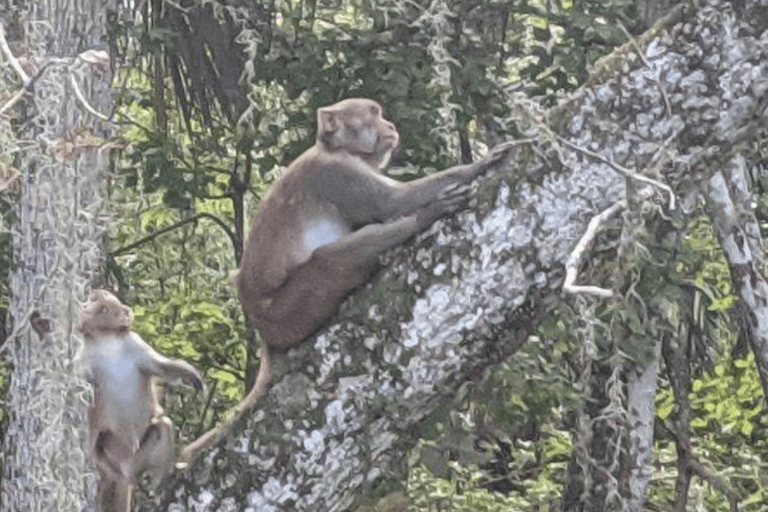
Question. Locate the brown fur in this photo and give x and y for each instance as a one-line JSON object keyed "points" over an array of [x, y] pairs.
{"points": [[129, 432], [319, 231]]}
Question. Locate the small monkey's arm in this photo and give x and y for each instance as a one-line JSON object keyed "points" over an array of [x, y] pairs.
{"points": [[164, 368]]}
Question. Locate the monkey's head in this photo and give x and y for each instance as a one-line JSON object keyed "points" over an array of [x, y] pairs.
{"points": [[104, 313], [357, 126]]}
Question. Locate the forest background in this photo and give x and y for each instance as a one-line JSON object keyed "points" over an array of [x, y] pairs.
{"points": [[212, 100]]}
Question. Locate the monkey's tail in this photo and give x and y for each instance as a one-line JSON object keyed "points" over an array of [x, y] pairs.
{"points": [[211, 437]]}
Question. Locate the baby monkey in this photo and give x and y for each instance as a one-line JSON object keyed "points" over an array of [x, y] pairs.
{"points": [[320, 229], [129, 431]]}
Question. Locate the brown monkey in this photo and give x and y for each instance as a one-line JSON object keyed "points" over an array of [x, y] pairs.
{"points": [[129, 432], [319, 231]]}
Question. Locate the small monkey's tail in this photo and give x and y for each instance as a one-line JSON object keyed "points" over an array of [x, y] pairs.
{"points": [[219, 431]]}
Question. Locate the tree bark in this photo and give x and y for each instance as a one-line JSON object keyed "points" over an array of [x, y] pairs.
{"points": [[730, 198], [641, 415], [57, 251]]}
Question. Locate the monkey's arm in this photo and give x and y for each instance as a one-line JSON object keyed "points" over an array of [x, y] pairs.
{"points": [[169, 370], [361, 194], [365, 196], [410, 197]]}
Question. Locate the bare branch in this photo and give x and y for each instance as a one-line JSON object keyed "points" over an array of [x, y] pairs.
{"points": [[15, 98], [9, 55], [621, 169], [168, 229], [639, 51], [577, 256], [84, 102]]}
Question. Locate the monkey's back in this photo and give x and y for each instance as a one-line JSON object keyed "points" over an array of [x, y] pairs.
{"points": [[291, 222]]}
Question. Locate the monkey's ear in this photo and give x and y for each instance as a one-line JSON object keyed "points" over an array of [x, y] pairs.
{"points": [[327, 123]]}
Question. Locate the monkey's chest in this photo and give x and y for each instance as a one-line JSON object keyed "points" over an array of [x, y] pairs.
{"points": [[123, 385], [321, 231]]}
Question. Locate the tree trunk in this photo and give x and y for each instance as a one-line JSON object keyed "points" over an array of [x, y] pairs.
{"points": [[730, 198], [336, 424], [57, 251], [641, 414]]}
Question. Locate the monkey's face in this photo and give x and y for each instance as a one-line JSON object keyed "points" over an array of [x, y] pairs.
{"points": [[105, 313], [358, 127]]}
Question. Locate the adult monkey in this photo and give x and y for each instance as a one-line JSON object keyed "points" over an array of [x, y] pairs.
{"points": [[128, 429], [319, 231]]}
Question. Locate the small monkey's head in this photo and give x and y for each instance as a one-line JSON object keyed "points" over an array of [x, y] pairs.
{"points": [[357, 126], [104, 314]]}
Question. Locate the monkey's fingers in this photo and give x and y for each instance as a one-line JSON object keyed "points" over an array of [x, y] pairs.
{"points": [[498, 153], [451, 200], [454, 191], [193, 378], [195, 382]]}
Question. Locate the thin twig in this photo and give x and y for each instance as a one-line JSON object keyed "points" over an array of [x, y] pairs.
{"points": [[17, 67], [156, 234], [621, 169], [15, 98], [577, 256], [83, 101], [9, 55], [27, 87], [639, 51]]}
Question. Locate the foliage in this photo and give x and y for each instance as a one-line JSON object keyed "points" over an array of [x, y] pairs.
{"points": [[460, 493], [730, 424], [179, 287], [537, 474]]}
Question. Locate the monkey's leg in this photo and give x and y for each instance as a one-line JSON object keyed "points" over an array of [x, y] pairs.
{"points": [[155, 453], [114, 495], [112, 455], [314, 290]]}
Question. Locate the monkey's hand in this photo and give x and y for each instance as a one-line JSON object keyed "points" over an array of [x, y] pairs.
{"points": [[195, 380], [190, 376], [450, 200], [42, 326], [496, 155]]}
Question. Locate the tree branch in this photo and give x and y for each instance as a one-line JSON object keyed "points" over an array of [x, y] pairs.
{"points": [[160, 232]]}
